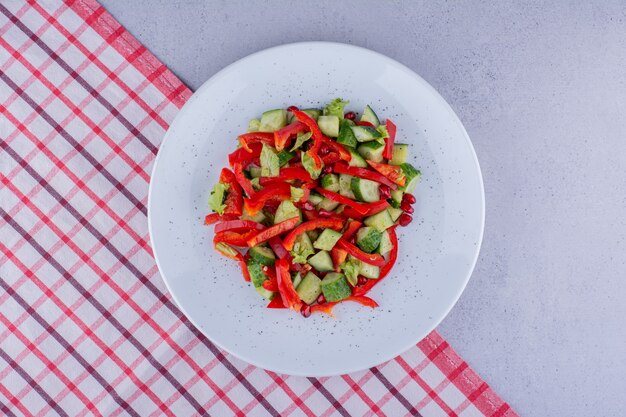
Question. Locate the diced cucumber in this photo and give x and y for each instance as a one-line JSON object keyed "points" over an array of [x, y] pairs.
{"points": [[381, 221], [364, 190], [330, 182], [365, 133], [327, 239], [385, 244], [369, 116], [345, 186], [327, 204], [315, 198], [265, 293], [396, 198], [335, 287], [253, 125], [257, 276], [273, 120], [286, 210], [395, 213], [296, 279], [255, 184], [357, 160], [310, 288], [284, 157], [329, 125], [399, 153], [368, 239], [346, 136], [369, 271], [313, 113], [412, 177], [255, 171], [302, 249], [322, 261], [372, 151], [262, 255]]}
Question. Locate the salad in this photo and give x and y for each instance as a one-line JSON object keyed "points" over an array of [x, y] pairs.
{"points": [[310, 205]]}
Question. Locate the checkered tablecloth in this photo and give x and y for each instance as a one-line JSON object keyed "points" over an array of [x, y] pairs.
{"points": [[87, 326]]}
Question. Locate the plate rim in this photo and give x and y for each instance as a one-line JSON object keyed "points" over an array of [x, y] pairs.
{"points": [[323, 44]]}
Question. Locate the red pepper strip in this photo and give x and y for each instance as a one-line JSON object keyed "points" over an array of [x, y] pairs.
{"points": [[277, 246], [270, 284], [272, 231], [393, 172], [256, 137], [337, 147], [370, 209], [384, 271], [287, 174], [338, 256], [243, 181], [327, 308], [281, 191], [244, 157], [364, 123], [285, 286], [331, 158], [391, 129], [282, 136], [215, 217], [234, 238], [276, 302], [368, 258], [239, 258], [310, 214], [351, 229], [290, 239], [234, 196], [316, 136], [238, 224], [244, 269], [364, 173], [360, 208]]}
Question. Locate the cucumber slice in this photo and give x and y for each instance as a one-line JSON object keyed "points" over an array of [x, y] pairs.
{"points": [[327, 204], [395, 213], [303, 241], [265, 293], [345, 186], [365, 190], [365, 133], [273, 120], [396, 198], [284, 157], [380, 221], [315, 198], [399, 153], [357, 160], [296, 279], [322, 261], [346, 136], [257, 276], [335, 287], [255, 171], [372, 151], [310, 288], [327, 239], [286, 210], [369, 271], [329, 125], [412, 177], [385, 244], [370, 116], [262, 255], [330, 182], [368, 239]]}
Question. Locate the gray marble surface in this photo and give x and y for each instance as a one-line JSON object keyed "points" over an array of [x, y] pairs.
{"points": [[541, 89]]}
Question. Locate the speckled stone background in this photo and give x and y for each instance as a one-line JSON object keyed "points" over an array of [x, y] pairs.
{"points": [[541, 89]]}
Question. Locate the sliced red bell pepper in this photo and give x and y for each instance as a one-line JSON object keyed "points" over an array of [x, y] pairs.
{"points": [[338, 256], [393, 172], [215, 217], [316, 136], [368, 258], [384, 271], [369, 208], [243, 157], [331, 158], [277, 192], [360, 208], [364, 123], [277, 246], [232, 253], [276, 302], [364, 173], [243, 181], [391, 130], [285, 286], [327, 308], [287, 174], [337, 147], [234, 196], [237, 225], [310, 214], [234, 238], [270, 284], [272, 231], [248, 139], [282, 136], [330, 223], [351, 229]]}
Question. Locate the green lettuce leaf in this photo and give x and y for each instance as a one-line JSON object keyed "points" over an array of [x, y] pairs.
{"points": [[216, 198], [351, 269], [309, 164], [296, 194], [270, 163], [300, 139], [335, 108]]}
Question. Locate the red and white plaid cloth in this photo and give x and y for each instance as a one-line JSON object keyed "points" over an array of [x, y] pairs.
{"points": [[87, 326]]}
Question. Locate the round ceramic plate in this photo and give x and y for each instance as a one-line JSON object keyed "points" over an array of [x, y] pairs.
{"points": [[437, 252]]}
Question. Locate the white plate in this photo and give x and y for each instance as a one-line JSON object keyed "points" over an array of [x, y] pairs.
{"points": [[437, 251]]}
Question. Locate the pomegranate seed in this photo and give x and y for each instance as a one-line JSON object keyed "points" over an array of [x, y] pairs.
{"points": [[321, 299], [407, 208], [350, 115], [384, 192], [328, 169], [326, 213], [409, 198], [405, 219], [324, 151], [361, 281], [305, 310], [292, 108]]}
